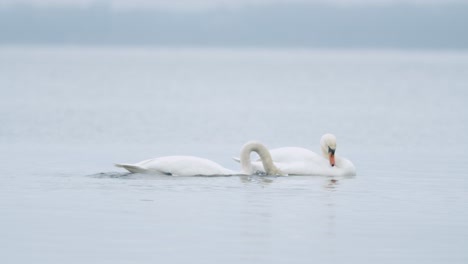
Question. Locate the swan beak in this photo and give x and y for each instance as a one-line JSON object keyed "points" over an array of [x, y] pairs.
{"points": [[331, 156]]}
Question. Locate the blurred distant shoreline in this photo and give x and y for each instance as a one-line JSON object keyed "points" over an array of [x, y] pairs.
{"points": [[400, 26]]}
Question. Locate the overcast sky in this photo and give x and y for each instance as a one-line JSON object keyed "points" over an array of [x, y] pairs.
{"points": [[412, 24], [207, 4]]}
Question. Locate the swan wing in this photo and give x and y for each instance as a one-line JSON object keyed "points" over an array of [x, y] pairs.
{"points": [[188, 165], [345, 166], [131, 168]]}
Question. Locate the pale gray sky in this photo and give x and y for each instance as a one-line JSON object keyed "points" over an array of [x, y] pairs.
{"points": [[411, 24], [207, 4]]}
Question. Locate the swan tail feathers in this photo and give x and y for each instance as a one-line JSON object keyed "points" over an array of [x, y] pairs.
{"points": [[131, 167]]}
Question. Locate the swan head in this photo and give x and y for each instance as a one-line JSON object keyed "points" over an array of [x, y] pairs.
{"points": [[328, 147]]}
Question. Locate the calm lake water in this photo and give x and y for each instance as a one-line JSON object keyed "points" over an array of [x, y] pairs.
{"points": [[67, 114]]}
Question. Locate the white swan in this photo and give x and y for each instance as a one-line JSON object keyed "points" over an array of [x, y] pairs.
{"points": [[301, 161], [191, 166]]}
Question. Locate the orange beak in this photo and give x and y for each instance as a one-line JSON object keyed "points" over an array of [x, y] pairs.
{"points": [[331, 157]]}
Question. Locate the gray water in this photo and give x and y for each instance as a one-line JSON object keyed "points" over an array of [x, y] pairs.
{"points": [[67, 114]]}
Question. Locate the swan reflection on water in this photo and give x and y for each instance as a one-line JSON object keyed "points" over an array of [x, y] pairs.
{"points": [[330, 184], [256, 178]]}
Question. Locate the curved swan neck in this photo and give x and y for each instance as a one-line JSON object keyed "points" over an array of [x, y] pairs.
{"points": [[324, 150], [262, 151]]}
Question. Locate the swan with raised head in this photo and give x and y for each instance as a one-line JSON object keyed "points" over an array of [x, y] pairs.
{"points": [[192, 166], [301, 161]]}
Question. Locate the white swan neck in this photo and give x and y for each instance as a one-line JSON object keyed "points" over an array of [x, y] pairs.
{"points": [[262, 151], [324, 149]]}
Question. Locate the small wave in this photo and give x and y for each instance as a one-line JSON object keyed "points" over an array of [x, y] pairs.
{"points": [[117, 175]]}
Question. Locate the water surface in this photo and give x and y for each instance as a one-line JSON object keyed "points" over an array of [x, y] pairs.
{"points": [[67, 114]]}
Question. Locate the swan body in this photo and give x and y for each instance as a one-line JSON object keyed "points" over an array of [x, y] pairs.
{"points": [[177, 166], [301, 161], [193, 166]]}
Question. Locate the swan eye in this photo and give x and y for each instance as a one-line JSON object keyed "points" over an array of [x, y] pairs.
{"points": [[330, 150]]}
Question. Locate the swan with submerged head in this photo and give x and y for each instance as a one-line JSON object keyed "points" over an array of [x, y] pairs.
{"points": [[196, 166], [301, 161]]}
